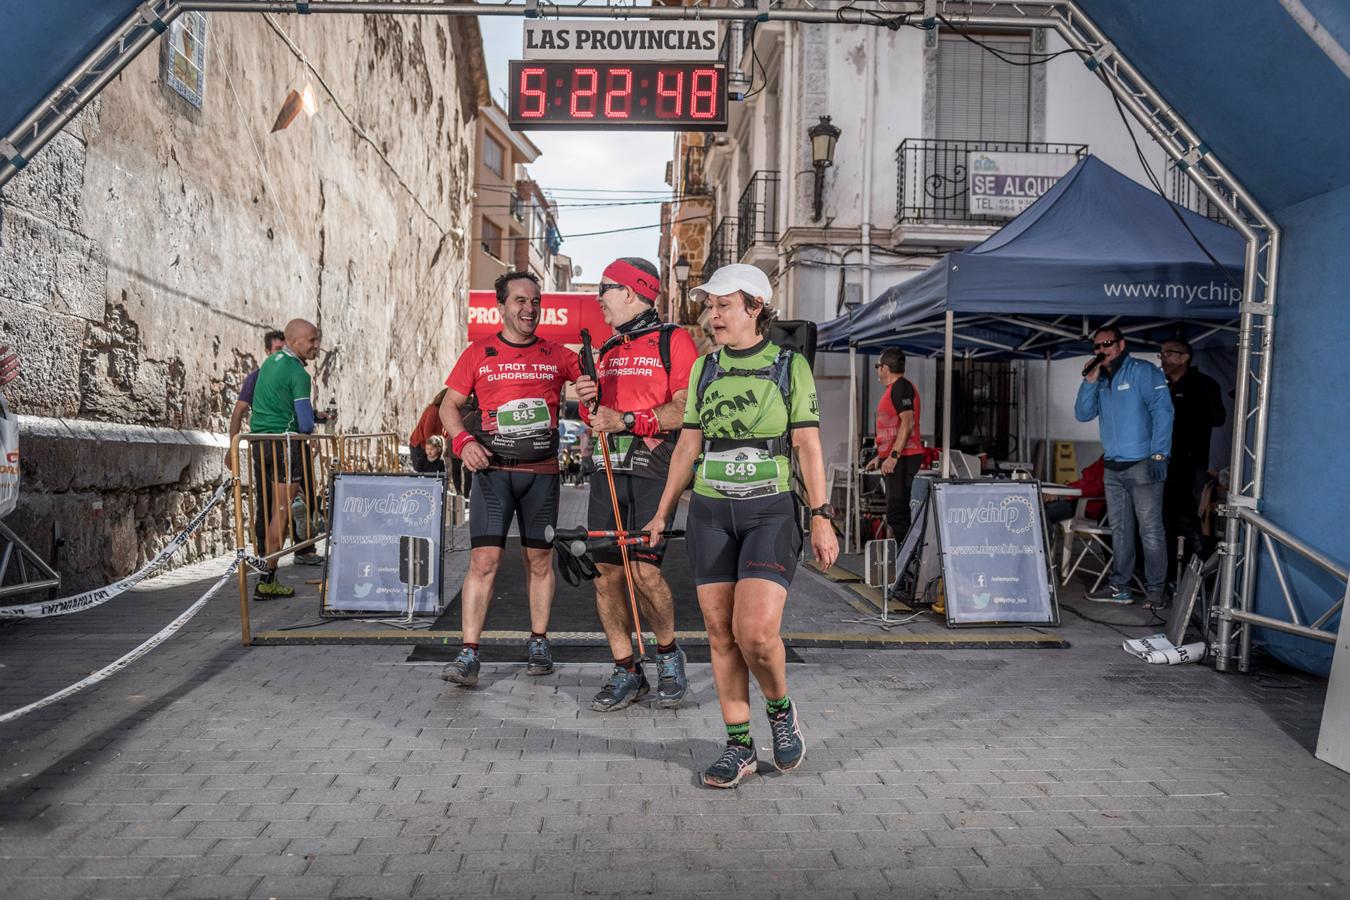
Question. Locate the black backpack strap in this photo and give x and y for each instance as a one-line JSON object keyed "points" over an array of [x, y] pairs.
{"points": [[712, 370], [667, 333]]}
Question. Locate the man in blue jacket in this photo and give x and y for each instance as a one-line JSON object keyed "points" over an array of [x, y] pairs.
{"points": [[1131, 399]]}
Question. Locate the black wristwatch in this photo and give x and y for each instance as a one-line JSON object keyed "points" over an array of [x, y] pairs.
{"points": [[629, 420], [895, 454], [824, 511]]}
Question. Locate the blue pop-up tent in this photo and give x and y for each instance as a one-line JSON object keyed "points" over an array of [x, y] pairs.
{"points": [[1097, 248], [1098, 245]]}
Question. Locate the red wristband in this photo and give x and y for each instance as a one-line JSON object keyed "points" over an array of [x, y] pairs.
{"points": [[644, 423], [457, 445]]}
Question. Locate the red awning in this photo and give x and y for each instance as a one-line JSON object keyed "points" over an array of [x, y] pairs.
{"points": [[563, 317]]}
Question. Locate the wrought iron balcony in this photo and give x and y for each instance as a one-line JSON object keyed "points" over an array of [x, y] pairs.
{"points": [[722, 247], [1184, 192], [934, 181], [757, 212]]}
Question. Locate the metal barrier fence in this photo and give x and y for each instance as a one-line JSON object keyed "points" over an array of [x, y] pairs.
{"points": [[376, 452], [279, 494]]}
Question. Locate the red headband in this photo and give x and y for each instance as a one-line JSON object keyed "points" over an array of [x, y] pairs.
{"points": [[630, 276]]}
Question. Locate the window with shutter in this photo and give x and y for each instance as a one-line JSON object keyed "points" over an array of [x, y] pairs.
{"points": [[979, 96]]}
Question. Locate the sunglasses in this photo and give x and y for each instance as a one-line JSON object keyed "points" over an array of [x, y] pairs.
{"points": [[1102, 345], [606, 288]]}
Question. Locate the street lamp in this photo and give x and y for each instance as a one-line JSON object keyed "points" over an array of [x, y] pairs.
{"points": [[823, 137], [682, 278]]}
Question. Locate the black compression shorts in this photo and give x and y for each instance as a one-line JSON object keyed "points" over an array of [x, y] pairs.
{"points": [[751, 538], [638, 501], [498, 495]]}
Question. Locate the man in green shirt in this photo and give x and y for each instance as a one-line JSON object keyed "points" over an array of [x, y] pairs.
{"points": [[282, 405]]}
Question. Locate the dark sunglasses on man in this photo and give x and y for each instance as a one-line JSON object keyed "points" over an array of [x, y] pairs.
{"points": [[1102, 345]]}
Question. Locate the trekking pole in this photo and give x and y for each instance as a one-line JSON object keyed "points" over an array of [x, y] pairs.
{"points": [[588, 367]]}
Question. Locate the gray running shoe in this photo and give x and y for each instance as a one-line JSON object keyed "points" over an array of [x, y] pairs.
{"points": [[789, 747], [540, 656], [1112, 594], [622, 689], [309, 559], [464, 670], [736, 762], [672, 683]]}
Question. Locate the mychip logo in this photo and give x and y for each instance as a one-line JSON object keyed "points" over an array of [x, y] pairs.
{"points": [[1014, 513]]}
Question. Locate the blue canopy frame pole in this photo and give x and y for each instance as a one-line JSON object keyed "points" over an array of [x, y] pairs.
{"points": [[850, 495]]}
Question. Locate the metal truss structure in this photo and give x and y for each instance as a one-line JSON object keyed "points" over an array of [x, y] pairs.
{"points": [[1246, 532]]}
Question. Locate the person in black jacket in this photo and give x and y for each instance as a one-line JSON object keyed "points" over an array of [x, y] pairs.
{"points": [[1199, 409]]}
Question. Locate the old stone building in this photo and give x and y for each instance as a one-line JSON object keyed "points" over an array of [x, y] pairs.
{"points": [[145, 251]]}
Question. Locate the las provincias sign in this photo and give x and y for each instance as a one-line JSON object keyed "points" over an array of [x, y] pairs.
{"points": [[693, 41]]}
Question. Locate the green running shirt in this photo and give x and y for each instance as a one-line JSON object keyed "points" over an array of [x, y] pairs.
{"points": [[749, 407], [282, 380]]}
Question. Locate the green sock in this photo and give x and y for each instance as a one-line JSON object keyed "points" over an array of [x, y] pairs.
{"points": [[740, 734], [776, 706]]}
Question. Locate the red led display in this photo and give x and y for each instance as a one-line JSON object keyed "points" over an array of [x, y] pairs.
{"points": [[679, 96]]}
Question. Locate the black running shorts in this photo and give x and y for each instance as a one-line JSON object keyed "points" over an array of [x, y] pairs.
{"points": [[281, 462], [498, 495], [638, 502], [752, 538]]}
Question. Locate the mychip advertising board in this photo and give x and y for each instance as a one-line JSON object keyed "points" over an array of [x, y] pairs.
{"points": [[371, 514], [991, 539]]}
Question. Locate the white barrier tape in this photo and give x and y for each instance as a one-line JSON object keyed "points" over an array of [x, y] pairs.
{"points": [[1158, 650], [167, 632], [99, 596]]}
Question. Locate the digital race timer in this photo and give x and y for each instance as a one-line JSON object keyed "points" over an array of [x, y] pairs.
{"points": [[680, 96]]}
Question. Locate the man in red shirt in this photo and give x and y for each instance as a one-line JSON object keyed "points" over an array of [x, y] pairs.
{"points": [[511, 440], [899, 447], [643, 382]]}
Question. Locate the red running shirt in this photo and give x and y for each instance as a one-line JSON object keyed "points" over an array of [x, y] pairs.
{"points": [[632, 378], [527, 379], [899, 398]]}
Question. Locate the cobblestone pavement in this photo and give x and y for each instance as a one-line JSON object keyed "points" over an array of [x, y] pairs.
{"points": [[208, 769]]}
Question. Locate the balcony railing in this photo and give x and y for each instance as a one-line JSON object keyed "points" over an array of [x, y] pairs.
{"points": [[757, 212], [722, 247], [934, 181], [1184, 192]]}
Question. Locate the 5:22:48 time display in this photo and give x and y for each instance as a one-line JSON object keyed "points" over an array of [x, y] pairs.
{"points": [[678, 96]]}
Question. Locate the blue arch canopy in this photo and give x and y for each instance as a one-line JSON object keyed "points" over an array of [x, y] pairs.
{"points": [[1098, 244]]}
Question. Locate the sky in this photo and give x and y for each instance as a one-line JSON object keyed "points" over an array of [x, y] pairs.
{"points": [[579, 166]]}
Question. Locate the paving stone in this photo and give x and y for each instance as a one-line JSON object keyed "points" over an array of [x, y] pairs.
{"points": [[336, 771]]}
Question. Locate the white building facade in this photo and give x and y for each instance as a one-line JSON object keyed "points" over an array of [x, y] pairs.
{"points": [[911, 106]]}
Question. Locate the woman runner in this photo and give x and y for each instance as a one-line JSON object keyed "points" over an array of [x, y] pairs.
{"points": [[750, 404]]}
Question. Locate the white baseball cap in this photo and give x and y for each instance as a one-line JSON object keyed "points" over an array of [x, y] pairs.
{"points": [[736, 277]]}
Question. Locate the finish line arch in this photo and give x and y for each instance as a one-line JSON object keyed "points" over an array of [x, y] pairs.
{"points": [[1244, 527]]}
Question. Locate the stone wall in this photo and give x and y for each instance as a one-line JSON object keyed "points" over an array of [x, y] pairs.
{"points": [[146, 250]]}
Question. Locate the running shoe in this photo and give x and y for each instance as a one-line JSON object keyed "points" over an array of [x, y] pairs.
{"points": [[464, 670], [272, 590], [309, 559], [540, 656], [1158, 601], [622, 689], [672, 683], [736, 762], [789, 747], [1112, 594]]}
